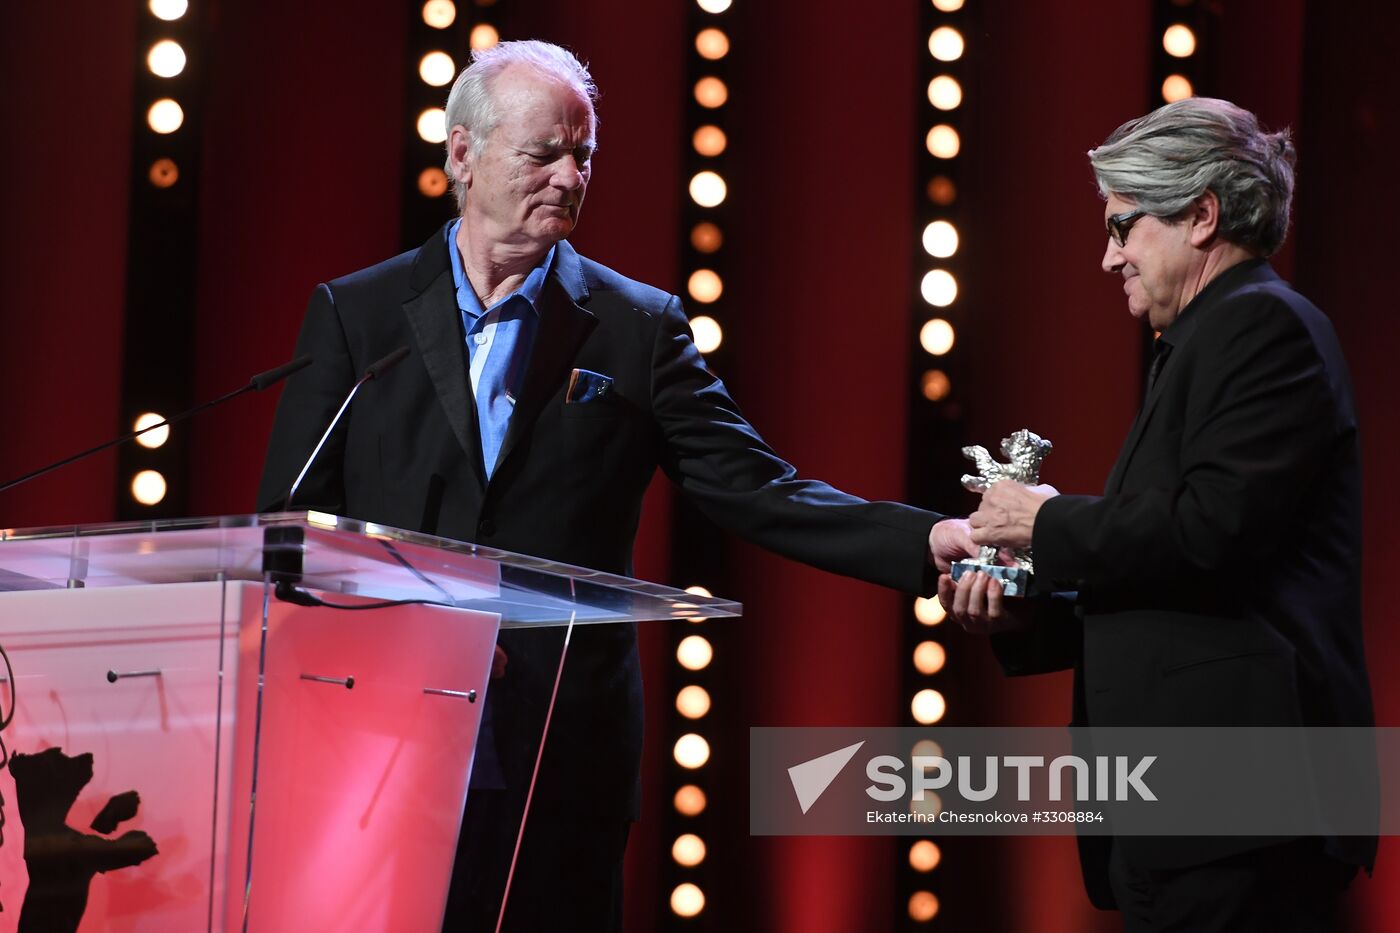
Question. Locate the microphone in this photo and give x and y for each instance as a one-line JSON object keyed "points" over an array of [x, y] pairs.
{"points": [[255, 384], [375, 370]]}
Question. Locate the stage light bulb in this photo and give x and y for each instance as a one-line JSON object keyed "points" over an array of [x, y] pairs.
{"points": [[687, 900], [714, 6], [929, 611], [698, 591], [943, 142], [483, 36], [926, 748], [148, 487], [708, 189], [944, 92], [439, 14], [928, 706], [694, 652], [689, 800], [708, 334], [923, 906], [712, 43], [1179, 41], [432, 182], [939, 288], [169, 10], [937, 336], [705, 285], [929, 657], [942, 191], [437, 69], [947, 6], [165, 116], [711, 92], [945, 44], [688, 850], [164, 173], [935, 385], [940, 239], [151, 439], [432, 125], [691, 751], [693, 702], [706, 237], [166, 59], [924, 855], [1176, 87], [709, 141]]}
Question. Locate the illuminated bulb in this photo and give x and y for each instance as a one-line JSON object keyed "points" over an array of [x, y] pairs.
{"points": [[148, 487], [151, 439], [713, 6], [942, 191], [923, 906], [698, 591], [169, 10], [944, 92], [689, 800], [432, 125], [940, 239], [432, 182], [948, 6], [439, 14], [927, 748], [166, 59], [1179, 41], [687, 900], [924, 855], [935, 385], [483, 36], [711, 92], [708, 189], [693, 702], [706, 237], [164, 173], [688, 850], [929, 657], [945, 44], [939, 288], [705, 285], [691, 751], [1176, 87], [437, 69], [937, 336], [943, 141], [929, 611], [165, 116], [709, 141], [708, 335], [929, 806], [712, 43], [694, 652], [928, 706]]}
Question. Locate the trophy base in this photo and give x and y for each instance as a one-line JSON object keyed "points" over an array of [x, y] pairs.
{"points": [[1015, 581]]}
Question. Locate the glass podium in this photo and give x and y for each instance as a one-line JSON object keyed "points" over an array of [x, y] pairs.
{"points": [[195, 744]]}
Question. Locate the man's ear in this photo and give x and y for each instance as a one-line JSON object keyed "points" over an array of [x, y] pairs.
{"points": [[1205, 219], [460, 155]]}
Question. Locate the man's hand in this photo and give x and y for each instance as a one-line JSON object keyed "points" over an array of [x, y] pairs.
{"points": [[948, 541], [975, 602], [1006, 516]]}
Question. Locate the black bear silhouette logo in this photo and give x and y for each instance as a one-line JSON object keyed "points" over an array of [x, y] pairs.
{"points": [[61, 860]]}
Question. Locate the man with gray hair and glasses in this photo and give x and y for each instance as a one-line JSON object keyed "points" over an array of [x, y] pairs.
{"points": [[542, 393], [1218, 576]]}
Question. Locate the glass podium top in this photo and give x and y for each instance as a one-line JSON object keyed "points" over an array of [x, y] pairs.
{"points": [[317, 551]]}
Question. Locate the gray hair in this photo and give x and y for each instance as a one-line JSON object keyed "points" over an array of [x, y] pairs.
{"points": [[472, 104], [1164, 161]]}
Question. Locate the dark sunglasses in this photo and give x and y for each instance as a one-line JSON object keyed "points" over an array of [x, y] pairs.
{"points": [[1118, 225]]}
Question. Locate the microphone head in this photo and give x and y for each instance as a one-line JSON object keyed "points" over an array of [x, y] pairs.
{"points": [[387, 363], [273, 376]]}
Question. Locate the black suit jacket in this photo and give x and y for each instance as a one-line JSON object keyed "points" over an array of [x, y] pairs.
{"points": [[569, 483], [1219, 574]]}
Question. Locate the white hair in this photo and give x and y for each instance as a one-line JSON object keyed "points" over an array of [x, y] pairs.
{"points": [[1164, 161], [472, 104]]}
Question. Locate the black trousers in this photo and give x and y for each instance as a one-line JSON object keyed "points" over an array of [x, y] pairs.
{"points": [[1287, 888], [568, 877]]}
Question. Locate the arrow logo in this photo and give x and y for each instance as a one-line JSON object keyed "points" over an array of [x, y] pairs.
{"points": [[810, 779]]}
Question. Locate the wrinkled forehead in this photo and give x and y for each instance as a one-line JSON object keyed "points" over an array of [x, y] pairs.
{"points": [[540, 106]]}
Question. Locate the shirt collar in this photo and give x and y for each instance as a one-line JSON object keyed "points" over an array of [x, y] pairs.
{"points": [[467, 300]]}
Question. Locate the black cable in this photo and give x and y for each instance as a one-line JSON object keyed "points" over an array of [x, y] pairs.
{"points": [[285, 591]]}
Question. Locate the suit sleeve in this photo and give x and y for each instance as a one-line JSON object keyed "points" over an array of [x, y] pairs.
{"points": [[720, 462], [1259, 425], [308, 403], [1052, 642]]}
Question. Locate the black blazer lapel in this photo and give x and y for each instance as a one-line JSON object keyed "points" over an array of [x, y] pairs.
{"points": [[1125, 456], [436, 322], [563, 327]]}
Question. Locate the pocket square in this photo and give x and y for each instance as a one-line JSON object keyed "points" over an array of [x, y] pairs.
{"points": [[587, 386]]}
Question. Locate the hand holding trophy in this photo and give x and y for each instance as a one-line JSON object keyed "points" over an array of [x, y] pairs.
{"points": [[1024, 451]]}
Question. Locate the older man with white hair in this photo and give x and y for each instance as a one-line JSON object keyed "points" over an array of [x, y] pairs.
{"points": [[542, 393], [1218, 576]]}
